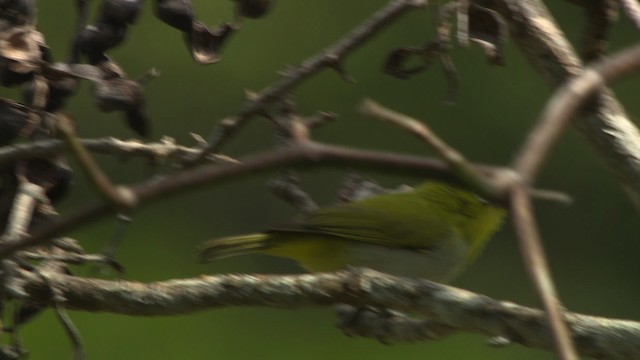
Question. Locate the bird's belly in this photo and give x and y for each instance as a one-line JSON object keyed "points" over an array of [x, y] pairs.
{"points": [[441, 264]]}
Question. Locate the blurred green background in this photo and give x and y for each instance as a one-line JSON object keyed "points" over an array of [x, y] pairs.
{"points": [[592, 245]]}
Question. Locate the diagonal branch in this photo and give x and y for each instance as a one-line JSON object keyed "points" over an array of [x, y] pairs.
{"points": [[458, 164], [332, 56], [606, 125], [118, 196], [538, 270], [566, 103]]}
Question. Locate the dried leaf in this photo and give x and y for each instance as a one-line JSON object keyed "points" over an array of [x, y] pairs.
{"points": [[22, 44], [119, 12], [16, 13], [488, 29], [59, 71], [205, 44], [396, 64], [175, 13], [127, 96], [138, 122], [118, 94], [96, 39]]}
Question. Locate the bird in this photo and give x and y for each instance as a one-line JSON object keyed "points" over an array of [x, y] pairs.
{"points": [[433, 231]]}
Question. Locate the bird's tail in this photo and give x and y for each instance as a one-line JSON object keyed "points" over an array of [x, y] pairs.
{"points": [[233, 245]]}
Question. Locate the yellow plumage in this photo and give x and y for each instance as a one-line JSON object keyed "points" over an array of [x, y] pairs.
{"points": [[432, 231]]}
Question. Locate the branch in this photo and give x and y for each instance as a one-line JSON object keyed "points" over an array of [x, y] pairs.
{"points": [[566, 103], [332, 56], [458, 164], [457, 309], [538, 270], [606, 125], [303, 154], [164, 149], [600, 17], [118, 196]]}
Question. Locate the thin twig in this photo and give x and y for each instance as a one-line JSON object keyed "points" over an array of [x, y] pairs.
{"points": [[122, 224], [286, 188], [538, 269], [460, 166], [72, 332], [71, 258], [600, 17], [118, 196], [57, 299], [164, 149], [293, 77]]}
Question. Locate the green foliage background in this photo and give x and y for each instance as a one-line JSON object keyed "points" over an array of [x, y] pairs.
{"points": [[592, 245]]}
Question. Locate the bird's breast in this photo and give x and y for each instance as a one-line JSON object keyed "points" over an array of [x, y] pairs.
{"points": [[440, 263]]}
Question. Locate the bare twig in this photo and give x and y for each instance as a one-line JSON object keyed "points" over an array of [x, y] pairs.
{"points": [[331, 57], [119, 196], [72, 332], [122, 224], [286, 187], [71, 258], [69, 327], [460, 166], [600, 16], [538, 269], [559, 111], [459, 309]]}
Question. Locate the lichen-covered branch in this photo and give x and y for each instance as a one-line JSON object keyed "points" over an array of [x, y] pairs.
{"points": [[606, 125], [166, 148], [457, 309]]}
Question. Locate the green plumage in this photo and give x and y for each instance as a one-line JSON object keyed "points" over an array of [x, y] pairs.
{"points": [[431, 231]]}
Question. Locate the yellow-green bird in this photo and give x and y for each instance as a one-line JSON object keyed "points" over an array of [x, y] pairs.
{"points": [[432, 231]]}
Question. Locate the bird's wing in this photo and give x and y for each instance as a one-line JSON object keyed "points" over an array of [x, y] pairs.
{"points": [[412, 224]]}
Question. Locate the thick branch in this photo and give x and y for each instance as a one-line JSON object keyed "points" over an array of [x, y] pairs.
{"points": [[459, 309], [607, 126], [565, 103]]}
